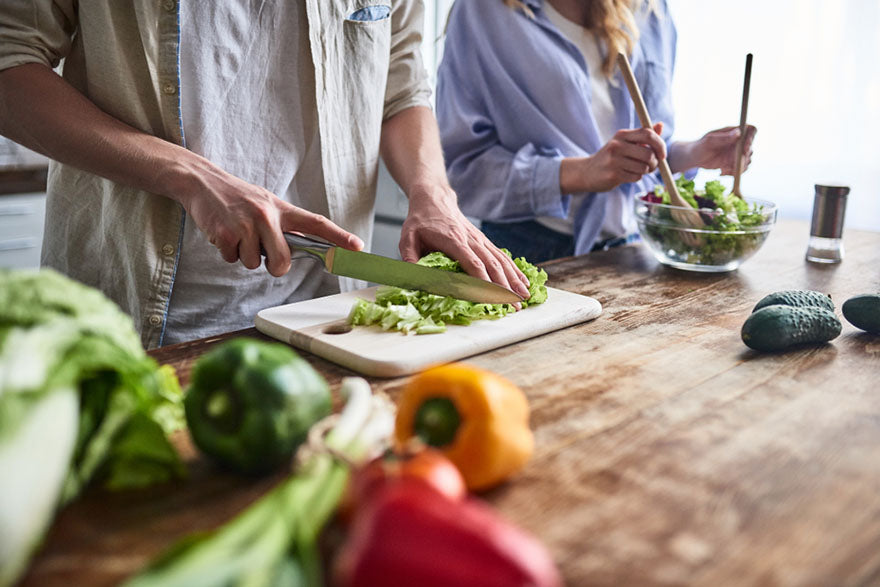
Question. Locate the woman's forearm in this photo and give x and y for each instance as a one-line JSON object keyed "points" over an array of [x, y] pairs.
{"points": [[684, 155], [40, 110]]}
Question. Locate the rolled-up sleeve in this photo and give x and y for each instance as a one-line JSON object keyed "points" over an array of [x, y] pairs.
{"points": [[493, 182], [35, 31], [407, 79]]}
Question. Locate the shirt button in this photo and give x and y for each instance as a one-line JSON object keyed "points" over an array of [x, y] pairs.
{"points": [[169, 88], [167, 250], [169, 5], [155, 320]]}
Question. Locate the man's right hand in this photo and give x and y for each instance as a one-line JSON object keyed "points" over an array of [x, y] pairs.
{"points": [[35, 107], [239, 218], [629, 155]]}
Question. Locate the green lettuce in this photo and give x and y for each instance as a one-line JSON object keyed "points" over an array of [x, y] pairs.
{"points": [[417, 312]]}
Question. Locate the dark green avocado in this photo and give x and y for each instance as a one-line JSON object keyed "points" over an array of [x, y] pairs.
{"points": [[863, 312], [796, 298], [779, 327]]}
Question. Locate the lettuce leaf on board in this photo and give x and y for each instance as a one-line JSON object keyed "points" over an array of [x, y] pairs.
{"points": [[59, 337], [417, 312]]}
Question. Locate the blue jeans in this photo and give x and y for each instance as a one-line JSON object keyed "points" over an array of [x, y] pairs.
{"points": [[537, 243]]}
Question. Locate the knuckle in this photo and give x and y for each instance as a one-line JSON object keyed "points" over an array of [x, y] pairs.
{"points": [[493, 265], [224, 238]]}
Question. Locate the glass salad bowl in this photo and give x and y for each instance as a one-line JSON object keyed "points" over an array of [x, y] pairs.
{"points": [[733, 230]]}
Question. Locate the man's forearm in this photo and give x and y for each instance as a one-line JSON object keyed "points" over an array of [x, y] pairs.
{"points": [[41, 111], [411, 150]]}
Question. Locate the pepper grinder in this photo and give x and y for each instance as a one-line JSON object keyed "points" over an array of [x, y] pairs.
{"points": [[826, 229]]}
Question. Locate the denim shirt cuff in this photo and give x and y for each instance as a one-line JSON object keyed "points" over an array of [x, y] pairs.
{"points": [[547, 198]]}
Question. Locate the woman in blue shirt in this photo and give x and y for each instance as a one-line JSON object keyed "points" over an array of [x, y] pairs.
{"points": [[541, 139]]}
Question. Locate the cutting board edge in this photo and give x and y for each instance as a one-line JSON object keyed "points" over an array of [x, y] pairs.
{"points": [[380, 367], [373, 366], [279, 332]]}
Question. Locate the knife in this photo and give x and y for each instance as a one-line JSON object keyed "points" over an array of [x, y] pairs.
{"points": [[387, 271]]}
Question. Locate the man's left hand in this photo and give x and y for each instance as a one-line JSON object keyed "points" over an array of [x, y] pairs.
{"points": [[435, 223]]}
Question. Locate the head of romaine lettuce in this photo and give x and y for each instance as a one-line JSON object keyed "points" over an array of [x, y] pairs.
{"points": [[70, 360]]}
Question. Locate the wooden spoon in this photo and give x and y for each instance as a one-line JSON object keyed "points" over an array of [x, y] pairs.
{"points": [[742, 127], [688, 216]]}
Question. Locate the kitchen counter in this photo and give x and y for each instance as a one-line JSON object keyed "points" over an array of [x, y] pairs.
{"points": [[667, 452], [23, 180]]}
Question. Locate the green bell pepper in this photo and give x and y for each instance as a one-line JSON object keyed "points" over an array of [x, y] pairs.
{"points": [[250, 404]]}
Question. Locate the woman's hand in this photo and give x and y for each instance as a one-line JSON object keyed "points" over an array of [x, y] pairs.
{"points": [[629, 155], [714, 150], [435, 223], [240, 218], [717, 149]]}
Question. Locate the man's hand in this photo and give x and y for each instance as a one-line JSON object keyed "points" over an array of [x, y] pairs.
{"points": [[35, 107], [630, 154], [435, 223], [411, 150], [240, 218]]}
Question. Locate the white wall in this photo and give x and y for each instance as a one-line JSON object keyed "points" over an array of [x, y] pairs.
{"points": [[815, 94]]}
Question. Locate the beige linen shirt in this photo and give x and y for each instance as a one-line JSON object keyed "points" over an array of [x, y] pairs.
{"points": [[124, 57]]}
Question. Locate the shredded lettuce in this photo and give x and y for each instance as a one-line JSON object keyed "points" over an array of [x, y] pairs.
{"points": [[417, 312]]}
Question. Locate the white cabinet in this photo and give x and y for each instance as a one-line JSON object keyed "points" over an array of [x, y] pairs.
{"points": [[21, 229], [390, 212]]}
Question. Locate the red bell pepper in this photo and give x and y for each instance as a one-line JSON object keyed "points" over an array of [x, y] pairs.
{"points": [[428, 465], [410, 534]]}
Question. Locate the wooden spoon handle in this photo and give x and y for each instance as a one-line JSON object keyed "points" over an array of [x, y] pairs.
{"points": [[645, 118], [742, 126]]}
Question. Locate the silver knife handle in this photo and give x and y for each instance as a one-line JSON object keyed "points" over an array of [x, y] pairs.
{"points": [[305, 244], [308, 245]]}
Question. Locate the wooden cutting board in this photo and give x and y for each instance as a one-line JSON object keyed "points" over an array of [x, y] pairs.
{"points": [[319, 327]]}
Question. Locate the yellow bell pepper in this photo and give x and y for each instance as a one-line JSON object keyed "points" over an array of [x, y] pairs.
{"points": [[479, 420]]}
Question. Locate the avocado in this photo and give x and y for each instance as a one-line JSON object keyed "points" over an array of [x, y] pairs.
{"points": [[796, 298], [863, 312], [779, 327]]}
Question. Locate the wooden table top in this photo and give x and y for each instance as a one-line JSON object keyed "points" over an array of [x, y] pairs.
{"points": [[667, 452]]}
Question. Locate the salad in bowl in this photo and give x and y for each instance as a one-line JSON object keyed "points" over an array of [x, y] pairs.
{"points": [[733, 228]]}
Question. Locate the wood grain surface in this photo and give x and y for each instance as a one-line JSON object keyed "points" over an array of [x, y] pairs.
{"points": [[667, 453]]}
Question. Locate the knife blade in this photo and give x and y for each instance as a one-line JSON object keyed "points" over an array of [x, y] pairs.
{"points": [[387, 271]]}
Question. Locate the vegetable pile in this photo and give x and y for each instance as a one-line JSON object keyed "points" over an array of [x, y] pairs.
{"points": [[786, 319], [418, 312], [403, 512], [79, 401], [274, 541], [734, 223], [791, 318]]}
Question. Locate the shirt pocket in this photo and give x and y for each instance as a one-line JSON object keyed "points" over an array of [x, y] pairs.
{"points": [[366, 59], [371, 13]]}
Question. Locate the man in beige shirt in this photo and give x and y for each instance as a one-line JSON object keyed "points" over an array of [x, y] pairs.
{"points": [[126, 188]]}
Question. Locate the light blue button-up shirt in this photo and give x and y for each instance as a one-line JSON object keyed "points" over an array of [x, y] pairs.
{"points": [[513, 99]]}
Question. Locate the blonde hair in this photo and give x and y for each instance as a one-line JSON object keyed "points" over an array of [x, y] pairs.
{"points": [[612, 21]]}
